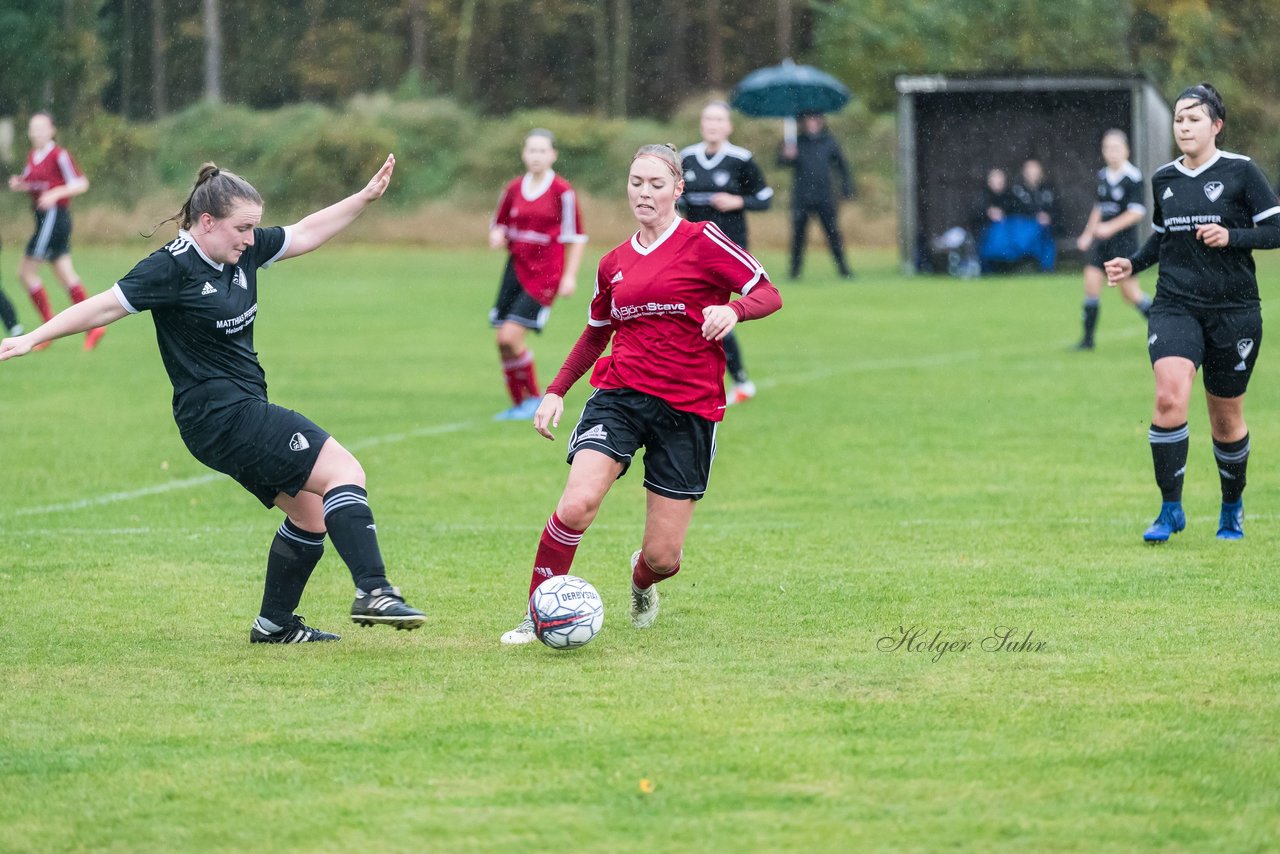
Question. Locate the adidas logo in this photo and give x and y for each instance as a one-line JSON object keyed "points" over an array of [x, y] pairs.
{"points": [[544, 571], [208, 289], [617, 277], [299, 442], [596, 432], [1168, 193]]}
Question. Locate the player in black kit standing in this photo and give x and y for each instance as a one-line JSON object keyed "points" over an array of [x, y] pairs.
{"points": [[721, 183], [202, 292], [1211, 209]]}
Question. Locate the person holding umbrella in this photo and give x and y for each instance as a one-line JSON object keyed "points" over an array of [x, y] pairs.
{"points": [[722, 182], [815, 156]]}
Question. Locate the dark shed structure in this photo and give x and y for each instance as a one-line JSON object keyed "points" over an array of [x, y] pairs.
{"points": [[953, 129]]}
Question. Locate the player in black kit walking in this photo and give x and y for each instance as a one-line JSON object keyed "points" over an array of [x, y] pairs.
{"points": [[1212, 208], [202, 292], [721, 183]]}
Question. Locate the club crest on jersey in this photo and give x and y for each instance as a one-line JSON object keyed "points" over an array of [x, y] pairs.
{"points": [[720, 177], [1213, 189], [208, 289], [690, 175], [1168, 193], [238, 279], [1117, 193], [1244, 347], [299, 442]]}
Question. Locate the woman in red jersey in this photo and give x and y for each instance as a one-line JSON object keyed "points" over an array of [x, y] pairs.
{"points": [[539, 223], [52, 179], [663, 299]]}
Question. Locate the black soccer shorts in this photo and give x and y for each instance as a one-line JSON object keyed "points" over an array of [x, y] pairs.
{"points": [[679, 447], [266, 448], [1224, 341], [514, 305], [52, 236], [1121, 245]]}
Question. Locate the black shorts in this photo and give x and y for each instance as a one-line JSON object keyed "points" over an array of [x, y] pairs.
{"points": [[52, 237], [678, 446], [1224, 341], [266, 448], [1121, 245], [514, 305]]}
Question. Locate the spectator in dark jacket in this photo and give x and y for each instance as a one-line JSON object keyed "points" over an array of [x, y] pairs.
{"points": [[814, 156]]}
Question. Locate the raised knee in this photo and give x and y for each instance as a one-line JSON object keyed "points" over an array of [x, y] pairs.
{"points": [[662, 560], [1170, 400], [577, 512]]}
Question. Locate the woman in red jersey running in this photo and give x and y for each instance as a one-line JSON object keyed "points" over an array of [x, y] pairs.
{"points": [[663, 299]]}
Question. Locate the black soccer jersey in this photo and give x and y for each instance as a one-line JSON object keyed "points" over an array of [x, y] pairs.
{"points": [[1229, 190], [204, 313], [730, 170], [1119, 192]]}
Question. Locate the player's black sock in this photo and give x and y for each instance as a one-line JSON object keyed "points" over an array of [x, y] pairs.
{"points": [[294, 554], [733, 358], [8, 317], [355, 536], [1090, 319], [1233, 459], [1169, 453]]}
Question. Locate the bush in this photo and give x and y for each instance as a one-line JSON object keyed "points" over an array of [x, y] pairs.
{"points": [[304, 156], [118, 158]]}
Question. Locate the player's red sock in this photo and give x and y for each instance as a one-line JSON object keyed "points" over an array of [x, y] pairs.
{"points": [[77, 292], [555, 551], [531, 379], [516, 371], [41, 300], [645, 576]]}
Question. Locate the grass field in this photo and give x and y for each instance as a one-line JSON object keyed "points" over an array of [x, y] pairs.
{"points": [[925, 455]]}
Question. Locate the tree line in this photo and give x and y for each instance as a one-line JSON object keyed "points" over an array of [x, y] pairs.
{"points": [[142, 59]]}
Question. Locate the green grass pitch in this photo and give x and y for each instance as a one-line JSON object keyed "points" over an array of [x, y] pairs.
{"points": [[925, 455]]}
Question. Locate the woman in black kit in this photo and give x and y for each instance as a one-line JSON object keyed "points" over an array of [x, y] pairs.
{"points": [[202, 292], [1211, 209]]}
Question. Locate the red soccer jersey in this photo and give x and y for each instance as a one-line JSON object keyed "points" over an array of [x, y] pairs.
{"points": [[48, 168], [539, 220], [653, 298]]}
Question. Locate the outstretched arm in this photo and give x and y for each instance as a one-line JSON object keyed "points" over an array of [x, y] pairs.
{"points": [[314, 230], [97, 310]]}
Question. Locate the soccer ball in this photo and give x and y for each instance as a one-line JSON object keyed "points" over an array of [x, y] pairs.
{"points": [[567, 612]]}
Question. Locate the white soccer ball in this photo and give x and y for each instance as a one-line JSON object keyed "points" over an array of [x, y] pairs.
{"points": [[567, 612]]}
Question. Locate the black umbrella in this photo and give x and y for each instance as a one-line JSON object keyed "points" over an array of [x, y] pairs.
{"points": [[789, 90]]}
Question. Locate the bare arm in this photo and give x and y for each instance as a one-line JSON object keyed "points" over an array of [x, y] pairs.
{"points": [[314, 230], [572, 261], [1112, 227], [1087, 236], [49, 198], [97, 310]]}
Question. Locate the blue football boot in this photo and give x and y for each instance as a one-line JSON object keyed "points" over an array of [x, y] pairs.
{"points": [[1170, 521], [1231, 521]]}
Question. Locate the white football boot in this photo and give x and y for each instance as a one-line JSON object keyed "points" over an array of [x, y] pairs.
{"points": [[644, 603], [521, 634]]}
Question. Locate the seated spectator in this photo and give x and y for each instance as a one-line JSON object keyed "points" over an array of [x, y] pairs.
{"points": [[1016, 222], [1035, 198]]}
